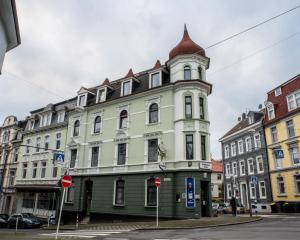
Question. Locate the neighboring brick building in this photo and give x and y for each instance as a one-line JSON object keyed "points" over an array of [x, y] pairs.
{"points": [[217, 179]]}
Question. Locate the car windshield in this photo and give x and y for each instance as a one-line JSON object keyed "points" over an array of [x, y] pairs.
{"points": [[28, 215]]}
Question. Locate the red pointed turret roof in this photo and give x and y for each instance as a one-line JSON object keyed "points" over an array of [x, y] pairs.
{"points": [[129, 74], [106, 82], [157, 65], [186, 46]]}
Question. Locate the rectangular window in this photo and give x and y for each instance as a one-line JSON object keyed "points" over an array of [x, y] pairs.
{"points": [[201, 101], [234, 168], [290, 128], [16, 154], [277, 161], [189, 147], [297, 184], [262, 189], [277, 91], [57, 140], [294, 154], [81, 100], [274, 135], [43, 169], [281, 186], [257, 141], [54, 172], [101, 95], [60, 116], [219, 176], [260, 164], [126, 88], [121, 154], [229, 191], [11, 178], [248, 144], [152, 150], [242, 167], [24, 172], [70, 194], [151, 193], [228, 170], [94, 156], [233, 149], [240, 147], [293, 101], [28, 141], [252, 190], [38, 144], [203, 147], [73, 158], [188, 107], [155, 80], [119, 192], [34, 169], [271, 113], [28, 200], [46, 146], [250, 166], [226, 151]]}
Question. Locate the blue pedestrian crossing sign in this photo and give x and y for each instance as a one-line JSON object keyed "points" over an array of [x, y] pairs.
{"points": [[278, 153], [59, 157], [253, 180]]}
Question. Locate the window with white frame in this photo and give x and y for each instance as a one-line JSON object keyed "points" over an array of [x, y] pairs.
{"points": [[260, 164], [153, 113], [280, 185], [28, 141], [16, 154], [242, 167], [151, 191], [240, 147], [81, 100], [228, 170], [119, 192], [187, 73], [277, 161], [34, 169], [233, 149], [152, 150], [290, 128], [234, 168], [97, 124], [43, 169], [297, 183], [229, 191], [94, 156], [60, 116], [252, 190], [257, 142], [248, 144], [294, 154], [277, 91], [226, 151], [155, 80], [293, 100], [76, 128], [188, 105], [250, 166], [11, 180], [101, 95], [189, 147], [38, 144], [126, 88], [57, 140], [201, 103], [54, 171], [274, 136], [73, 157], [270, 110], [123, 119], [121, 154], [262, 189], [24, 170], [46, 143]]}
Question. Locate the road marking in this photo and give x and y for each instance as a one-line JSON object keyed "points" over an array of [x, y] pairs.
{"points": [[83, 233]]}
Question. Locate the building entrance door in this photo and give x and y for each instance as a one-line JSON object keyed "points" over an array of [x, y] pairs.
{"points": [[88, 196], [205, 205]]}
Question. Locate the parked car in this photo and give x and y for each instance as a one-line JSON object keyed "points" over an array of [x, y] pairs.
{"points": [[25, 220], [3, 220]]}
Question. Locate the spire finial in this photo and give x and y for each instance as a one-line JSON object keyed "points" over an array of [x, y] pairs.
{"points": [[185, 28]]}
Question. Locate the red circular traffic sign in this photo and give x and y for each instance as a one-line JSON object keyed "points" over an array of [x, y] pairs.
{"points": [[66, 181], [157, 182]]}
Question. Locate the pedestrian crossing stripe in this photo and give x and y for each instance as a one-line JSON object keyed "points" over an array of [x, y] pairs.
{"points": [[83, 233]]}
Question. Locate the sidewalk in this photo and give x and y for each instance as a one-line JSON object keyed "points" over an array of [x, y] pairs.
{"points": [[164, 224]]}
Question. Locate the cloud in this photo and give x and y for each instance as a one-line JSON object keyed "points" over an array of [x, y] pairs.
{"points": [[67, 44]]}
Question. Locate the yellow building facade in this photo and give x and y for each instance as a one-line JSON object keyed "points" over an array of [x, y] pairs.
{"points": [[282, 132]]}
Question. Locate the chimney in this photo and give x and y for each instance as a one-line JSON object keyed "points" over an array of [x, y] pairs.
{"points": [[244, 116], [260, 106], [239, 119]]}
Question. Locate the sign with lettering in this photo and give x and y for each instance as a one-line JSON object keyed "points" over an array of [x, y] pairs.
{"points": [[279, 153], [190, 192]]}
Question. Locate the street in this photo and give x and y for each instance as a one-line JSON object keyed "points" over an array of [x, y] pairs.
{"points": [[272, 227]]}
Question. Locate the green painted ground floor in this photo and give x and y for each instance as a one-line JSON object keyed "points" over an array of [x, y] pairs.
{"points": [[182, 194]]}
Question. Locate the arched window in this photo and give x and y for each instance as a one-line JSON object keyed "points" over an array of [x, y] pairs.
{"points": [[97, 124], [123, 119], [76, 128], [200, 72], [153, 113], [187, 73]]}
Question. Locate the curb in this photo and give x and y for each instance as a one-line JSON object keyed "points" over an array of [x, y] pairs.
{"points": [[208, 226]]}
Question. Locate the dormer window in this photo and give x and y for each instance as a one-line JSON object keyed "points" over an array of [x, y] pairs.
{"points": [[271, 112], [126, 88], [155, 79], [60, 116], [200, 72], [101, 95], [187, 73], [81, 100], [277, 92]]}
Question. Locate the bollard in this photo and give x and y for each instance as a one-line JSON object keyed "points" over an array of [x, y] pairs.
{"points": [[17, 221]]}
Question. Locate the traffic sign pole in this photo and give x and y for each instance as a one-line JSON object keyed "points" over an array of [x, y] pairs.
{"points": [[157, 206], [61, 207]]}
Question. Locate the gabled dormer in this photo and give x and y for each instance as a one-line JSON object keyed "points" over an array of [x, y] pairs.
{"points": [[103, 90], [82, 95], [128, 83], [155, 75], [46, 115]]}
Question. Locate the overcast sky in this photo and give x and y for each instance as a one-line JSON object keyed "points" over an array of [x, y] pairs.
{"points": [[69, 44]]}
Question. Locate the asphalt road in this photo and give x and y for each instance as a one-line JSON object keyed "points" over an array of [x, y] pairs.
{"points": [[271, 228]]}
